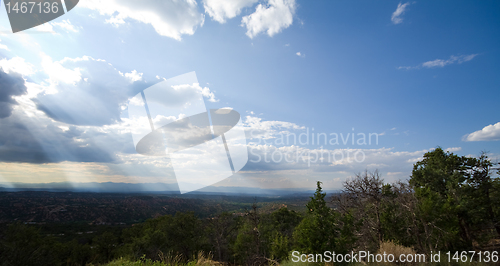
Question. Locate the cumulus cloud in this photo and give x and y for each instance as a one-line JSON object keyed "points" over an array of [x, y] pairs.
{"points": [[271, 18], [400, 10], [16, 65], [58, 73], [454, 59], [29, 135], [258, 128], [170, 18], [75, 113], [205, 91], [488, 133], [279, 148], [342, 161], [133, 76], [85, 91], [221, 10]]}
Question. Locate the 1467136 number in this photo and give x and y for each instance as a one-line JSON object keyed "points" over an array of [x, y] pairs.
{"points": [[481, 256], [33, 7]]}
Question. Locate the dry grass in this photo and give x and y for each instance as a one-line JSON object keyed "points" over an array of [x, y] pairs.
{"points": [[168, 260], [396, 250], [205, 260]]}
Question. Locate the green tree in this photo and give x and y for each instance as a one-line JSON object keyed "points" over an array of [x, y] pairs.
{"points": [[248, 244], [279, 232], [318, 231], [24, 245], [454, 199], [104, 246], [398, 217], [181, 234], [222, 231]]}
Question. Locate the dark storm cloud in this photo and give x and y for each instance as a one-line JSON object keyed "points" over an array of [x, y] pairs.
{"points": [[70, 127], [10, 85], [22, 140], [26, 140], [77, 122]]}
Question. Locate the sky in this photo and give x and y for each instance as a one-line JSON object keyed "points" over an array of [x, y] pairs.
{"points": [[401, 77]]}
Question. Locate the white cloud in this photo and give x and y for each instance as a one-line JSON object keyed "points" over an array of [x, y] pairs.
{"points": [[488, 133], [396, 16], [66, 25], [205, 91], [454, 59], [277, 147], [133, 76], [84, 91], [42, 139], [271, 18], [187, 88], [171, 18], [300, 54], [17, 65], [342, 161], [220, 10], [267, 129], [45, 27], [253, 122], [58, 73], [454, 149]]}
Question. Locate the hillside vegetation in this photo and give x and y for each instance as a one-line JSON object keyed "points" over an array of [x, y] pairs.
{"points": [[450, 204]]}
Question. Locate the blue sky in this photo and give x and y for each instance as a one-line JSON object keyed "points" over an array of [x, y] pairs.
{"points": [[418, 74]]}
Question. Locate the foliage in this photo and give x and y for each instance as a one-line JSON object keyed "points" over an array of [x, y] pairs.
{"points": [[319, 230], [450, 203], [455, 200], [180, 234]]}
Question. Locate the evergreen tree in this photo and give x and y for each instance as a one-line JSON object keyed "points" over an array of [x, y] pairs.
{"points": [[456, 198], [318, 231]]}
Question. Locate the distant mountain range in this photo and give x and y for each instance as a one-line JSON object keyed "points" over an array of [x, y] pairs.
{"points": [[154, 188]]}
